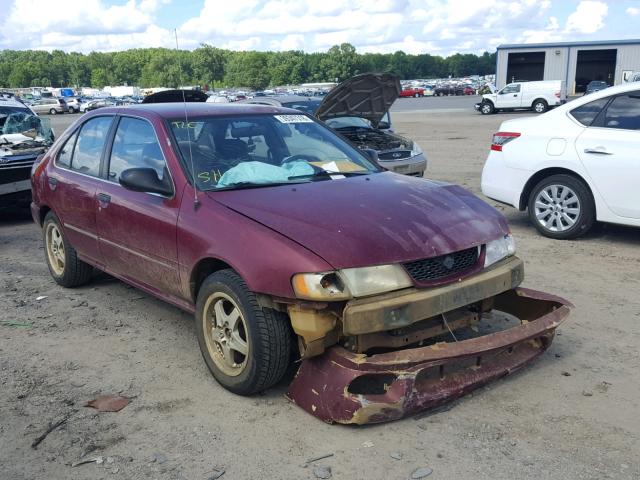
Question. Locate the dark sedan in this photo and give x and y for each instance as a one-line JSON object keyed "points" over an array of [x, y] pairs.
{"points": [[281, 237]]}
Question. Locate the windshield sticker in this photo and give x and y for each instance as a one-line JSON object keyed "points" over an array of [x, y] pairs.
{"points": [[179, 124], [293, 119]]}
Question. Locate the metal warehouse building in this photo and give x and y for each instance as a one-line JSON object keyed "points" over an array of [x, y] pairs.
{"points": [[577, 63]]}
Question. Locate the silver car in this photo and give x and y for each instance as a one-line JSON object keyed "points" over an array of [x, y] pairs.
{"points": [[73, 104], [52, 106]]}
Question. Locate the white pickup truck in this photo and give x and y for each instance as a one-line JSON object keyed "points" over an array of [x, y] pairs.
{"points": [[536, 96]]}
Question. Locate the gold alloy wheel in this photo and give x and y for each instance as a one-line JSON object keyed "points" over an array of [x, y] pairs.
{"points": [[225, 334], [55, 249]]}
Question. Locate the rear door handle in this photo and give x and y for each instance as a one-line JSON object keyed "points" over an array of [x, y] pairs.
{"points": [[597, 151], [104, 198]]}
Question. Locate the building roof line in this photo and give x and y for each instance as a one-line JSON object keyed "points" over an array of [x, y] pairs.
{"points": [[567, 44]]}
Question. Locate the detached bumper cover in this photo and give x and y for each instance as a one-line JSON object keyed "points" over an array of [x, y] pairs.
{"points": [[345, 387]]}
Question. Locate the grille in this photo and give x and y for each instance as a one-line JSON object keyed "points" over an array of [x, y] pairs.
{"points": [[394, 155], [435, 268]]}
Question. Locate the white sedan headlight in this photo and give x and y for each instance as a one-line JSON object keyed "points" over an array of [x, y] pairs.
{"points": [[415, 149], [350, 282], [498, 249]]}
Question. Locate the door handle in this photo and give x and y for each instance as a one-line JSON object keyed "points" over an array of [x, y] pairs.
{"points": [[104, 198], [52, 181], [597, 151]]}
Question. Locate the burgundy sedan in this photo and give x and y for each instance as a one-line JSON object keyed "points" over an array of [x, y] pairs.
{"points": [[288, 243]]}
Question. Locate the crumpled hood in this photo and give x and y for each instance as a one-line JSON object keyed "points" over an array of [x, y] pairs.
{"points": [[371, 220], [369, 96]]}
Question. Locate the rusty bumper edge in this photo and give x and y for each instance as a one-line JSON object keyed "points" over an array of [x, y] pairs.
{"points": [[344, 387]]}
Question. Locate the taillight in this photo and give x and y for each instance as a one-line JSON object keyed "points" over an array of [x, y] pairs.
{"points": [[500, 139], [557, 94]]}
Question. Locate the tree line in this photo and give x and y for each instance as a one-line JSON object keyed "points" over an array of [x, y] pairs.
{"points": [[215, 67]]}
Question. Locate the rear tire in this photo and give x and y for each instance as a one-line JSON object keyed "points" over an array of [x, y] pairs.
{"points": [[62, 259], [229, 321], [539, 106], [53, 111], [561, 207]]}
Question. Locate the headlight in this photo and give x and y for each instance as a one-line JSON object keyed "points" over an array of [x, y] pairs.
{"points": [[371, 280], [415, 149], [498, 249], [350, 282], [319, 286]]}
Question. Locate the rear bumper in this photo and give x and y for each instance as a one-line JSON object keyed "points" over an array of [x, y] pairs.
{"points": [[346, 387]]}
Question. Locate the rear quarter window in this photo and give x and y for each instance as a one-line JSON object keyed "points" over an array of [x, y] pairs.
{"points": [[587, 113]]}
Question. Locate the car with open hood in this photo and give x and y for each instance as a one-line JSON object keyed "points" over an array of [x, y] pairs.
{"points": [[358, 109], [23, 137], [286, 242]]}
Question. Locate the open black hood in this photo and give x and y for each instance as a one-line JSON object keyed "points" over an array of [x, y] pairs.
{"points": [[369, 96], [175, 96]]}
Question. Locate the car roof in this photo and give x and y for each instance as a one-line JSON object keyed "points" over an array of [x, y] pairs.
{"points": [[199, 109]]}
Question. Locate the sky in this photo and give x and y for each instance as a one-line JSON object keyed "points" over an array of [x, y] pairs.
{"points": [[438, 27]]}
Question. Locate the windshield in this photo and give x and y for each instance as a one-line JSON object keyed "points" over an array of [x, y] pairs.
{"points": [[308, 106], [260, 150], [348, 122], [16, 120]]}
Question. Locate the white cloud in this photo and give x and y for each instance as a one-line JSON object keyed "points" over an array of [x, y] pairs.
{"points": [[414, 26], [588, 17]]}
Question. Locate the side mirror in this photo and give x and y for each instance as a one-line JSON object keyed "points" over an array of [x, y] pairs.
{"points": [[145, 180], [383, 125]]}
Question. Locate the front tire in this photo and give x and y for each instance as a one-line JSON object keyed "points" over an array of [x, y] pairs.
{"points": [[245, 346], [486, 108], [561, 207], [62, 259], [540, 106]]}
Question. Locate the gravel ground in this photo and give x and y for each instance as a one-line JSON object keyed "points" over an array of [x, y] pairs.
{"points": [[573, 414]]}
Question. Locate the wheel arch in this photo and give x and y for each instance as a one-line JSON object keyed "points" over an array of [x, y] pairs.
{"points": [[42, 212], [205, 267], [540, 99], [541, 175]]}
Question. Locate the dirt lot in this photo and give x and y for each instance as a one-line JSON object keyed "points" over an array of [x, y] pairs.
{"points": [[573, 414]]}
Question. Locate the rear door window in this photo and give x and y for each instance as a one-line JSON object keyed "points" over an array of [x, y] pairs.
{"points": [[623, 112], [89, 146], [135, 146], [588, 112]]}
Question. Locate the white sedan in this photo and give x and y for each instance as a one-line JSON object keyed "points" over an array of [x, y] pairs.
{"points": [[572, 166]]}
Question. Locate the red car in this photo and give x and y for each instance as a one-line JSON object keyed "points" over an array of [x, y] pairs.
{"points": [[412, 92], [287, 242], [469, 91]]}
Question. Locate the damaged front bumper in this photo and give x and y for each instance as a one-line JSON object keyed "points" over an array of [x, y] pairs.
{"points": [[346, 387]]}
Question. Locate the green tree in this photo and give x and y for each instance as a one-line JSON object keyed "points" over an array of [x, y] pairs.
{"points": [[248, 69], [340, 62], [208, 64]]}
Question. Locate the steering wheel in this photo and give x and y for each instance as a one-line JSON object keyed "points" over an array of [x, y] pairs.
{"points": [[299, 156]]}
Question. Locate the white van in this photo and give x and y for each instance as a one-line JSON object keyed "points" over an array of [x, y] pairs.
{"points": [[536, 96]]}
